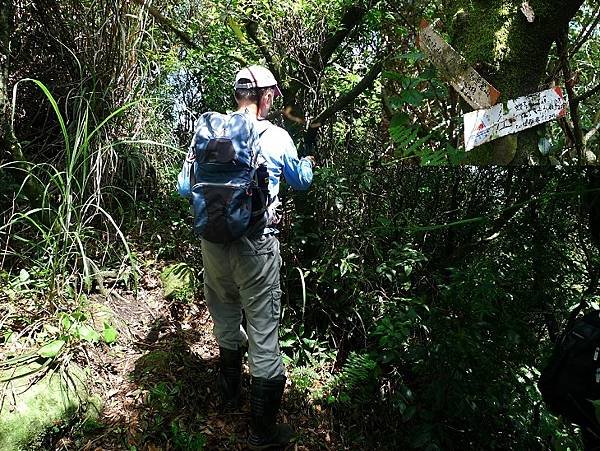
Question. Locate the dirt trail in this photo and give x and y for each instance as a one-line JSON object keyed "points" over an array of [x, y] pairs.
{"points": [[158, 383]]}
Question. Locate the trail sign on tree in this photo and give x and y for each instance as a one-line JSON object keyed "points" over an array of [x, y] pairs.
{"points": [[522, 113], [476, 91]]}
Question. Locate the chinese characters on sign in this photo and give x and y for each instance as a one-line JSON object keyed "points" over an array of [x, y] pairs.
{"points": [[489, 121], [522, 113], [468, 83]]}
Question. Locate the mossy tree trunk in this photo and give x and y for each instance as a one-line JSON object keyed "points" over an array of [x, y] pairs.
{"points": [[512, 53]]}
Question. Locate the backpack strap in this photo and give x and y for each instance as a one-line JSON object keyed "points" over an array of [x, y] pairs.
{"points": [[261, 212]]}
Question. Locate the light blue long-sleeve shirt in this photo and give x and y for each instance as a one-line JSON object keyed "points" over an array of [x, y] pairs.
{"points": [[281, 156]]}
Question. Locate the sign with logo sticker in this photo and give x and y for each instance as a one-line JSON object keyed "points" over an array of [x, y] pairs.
{"points": [[519, 114], [476, 91]]}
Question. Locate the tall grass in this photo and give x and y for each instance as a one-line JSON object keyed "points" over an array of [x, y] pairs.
{"points": [[60, 241], [69, 235]]}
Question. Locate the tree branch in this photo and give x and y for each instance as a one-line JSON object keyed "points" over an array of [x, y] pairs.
{"points": [[345, 99], [562, 45], [586, 95], [182, 35], [351, 18], [591, 133], [272, 64], [585, 34]]}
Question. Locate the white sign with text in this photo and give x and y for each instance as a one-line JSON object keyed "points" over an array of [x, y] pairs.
{"points": [[519, 114], [476, 91]]}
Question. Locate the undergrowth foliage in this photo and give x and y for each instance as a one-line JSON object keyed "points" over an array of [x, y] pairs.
{"points": [[419, 305], [438, 302], [54, 246]]}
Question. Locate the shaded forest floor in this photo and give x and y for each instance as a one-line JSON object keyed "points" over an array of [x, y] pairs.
{"points": [[158, 383]]}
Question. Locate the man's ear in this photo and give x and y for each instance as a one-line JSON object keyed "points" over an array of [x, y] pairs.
{"points": [[268, 96], [266, 100]]}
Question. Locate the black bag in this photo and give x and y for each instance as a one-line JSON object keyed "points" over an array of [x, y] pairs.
{"points": [[571, 380]]}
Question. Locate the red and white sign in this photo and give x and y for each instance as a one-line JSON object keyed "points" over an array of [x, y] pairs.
{"points": [[519, 114]]}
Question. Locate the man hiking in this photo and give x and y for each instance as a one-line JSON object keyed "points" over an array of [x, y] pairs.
{"points": [[243, 274]]}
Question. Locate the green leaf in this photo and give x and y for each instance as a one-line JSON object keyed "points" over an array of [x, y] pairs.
{"points": [[395, 102], [110, 334], [412, 97], [413, 57], [78, 316], [52, 101], [24, 275], [392, 75], [8, 335], [401, 119], [66, 322], [429, 74], [51, 349], [88, 334], [287, 343], [52, 330]]}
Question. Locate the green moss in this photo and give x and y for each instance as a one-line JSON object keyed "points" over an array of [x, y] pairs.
{"points": [[495, 39], [154, 362], [480, 156], [511, 53], [504, 149], [50, 402], [179, 281], [480, 30], [501, 151], [501, 47]]}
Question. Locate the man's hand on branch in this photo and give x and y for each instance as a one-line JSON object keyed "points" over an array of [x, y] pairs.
{"points": [[312, 160]]}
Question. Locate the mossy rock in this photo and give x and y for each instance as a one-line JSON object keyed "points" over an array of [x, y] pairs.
{"points": [[179, 282], [155, 362], [50, 402]]}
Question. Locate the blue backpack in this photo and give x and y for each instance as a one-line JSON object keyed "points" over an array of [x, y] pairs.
{"points": [[227, 185]]}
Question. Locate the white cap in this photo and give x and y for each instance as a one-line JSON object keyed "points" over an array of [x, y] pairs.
{"points": [[259, 76]]}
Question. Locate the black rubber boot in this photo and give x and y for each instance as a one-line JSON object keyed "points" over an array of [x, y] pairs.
{"points": [[230, 376], [265, 400]]}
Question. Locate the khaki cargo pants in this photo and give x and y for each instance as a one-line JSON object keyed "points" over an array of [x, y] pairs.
{"points": [[245, 275]]}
